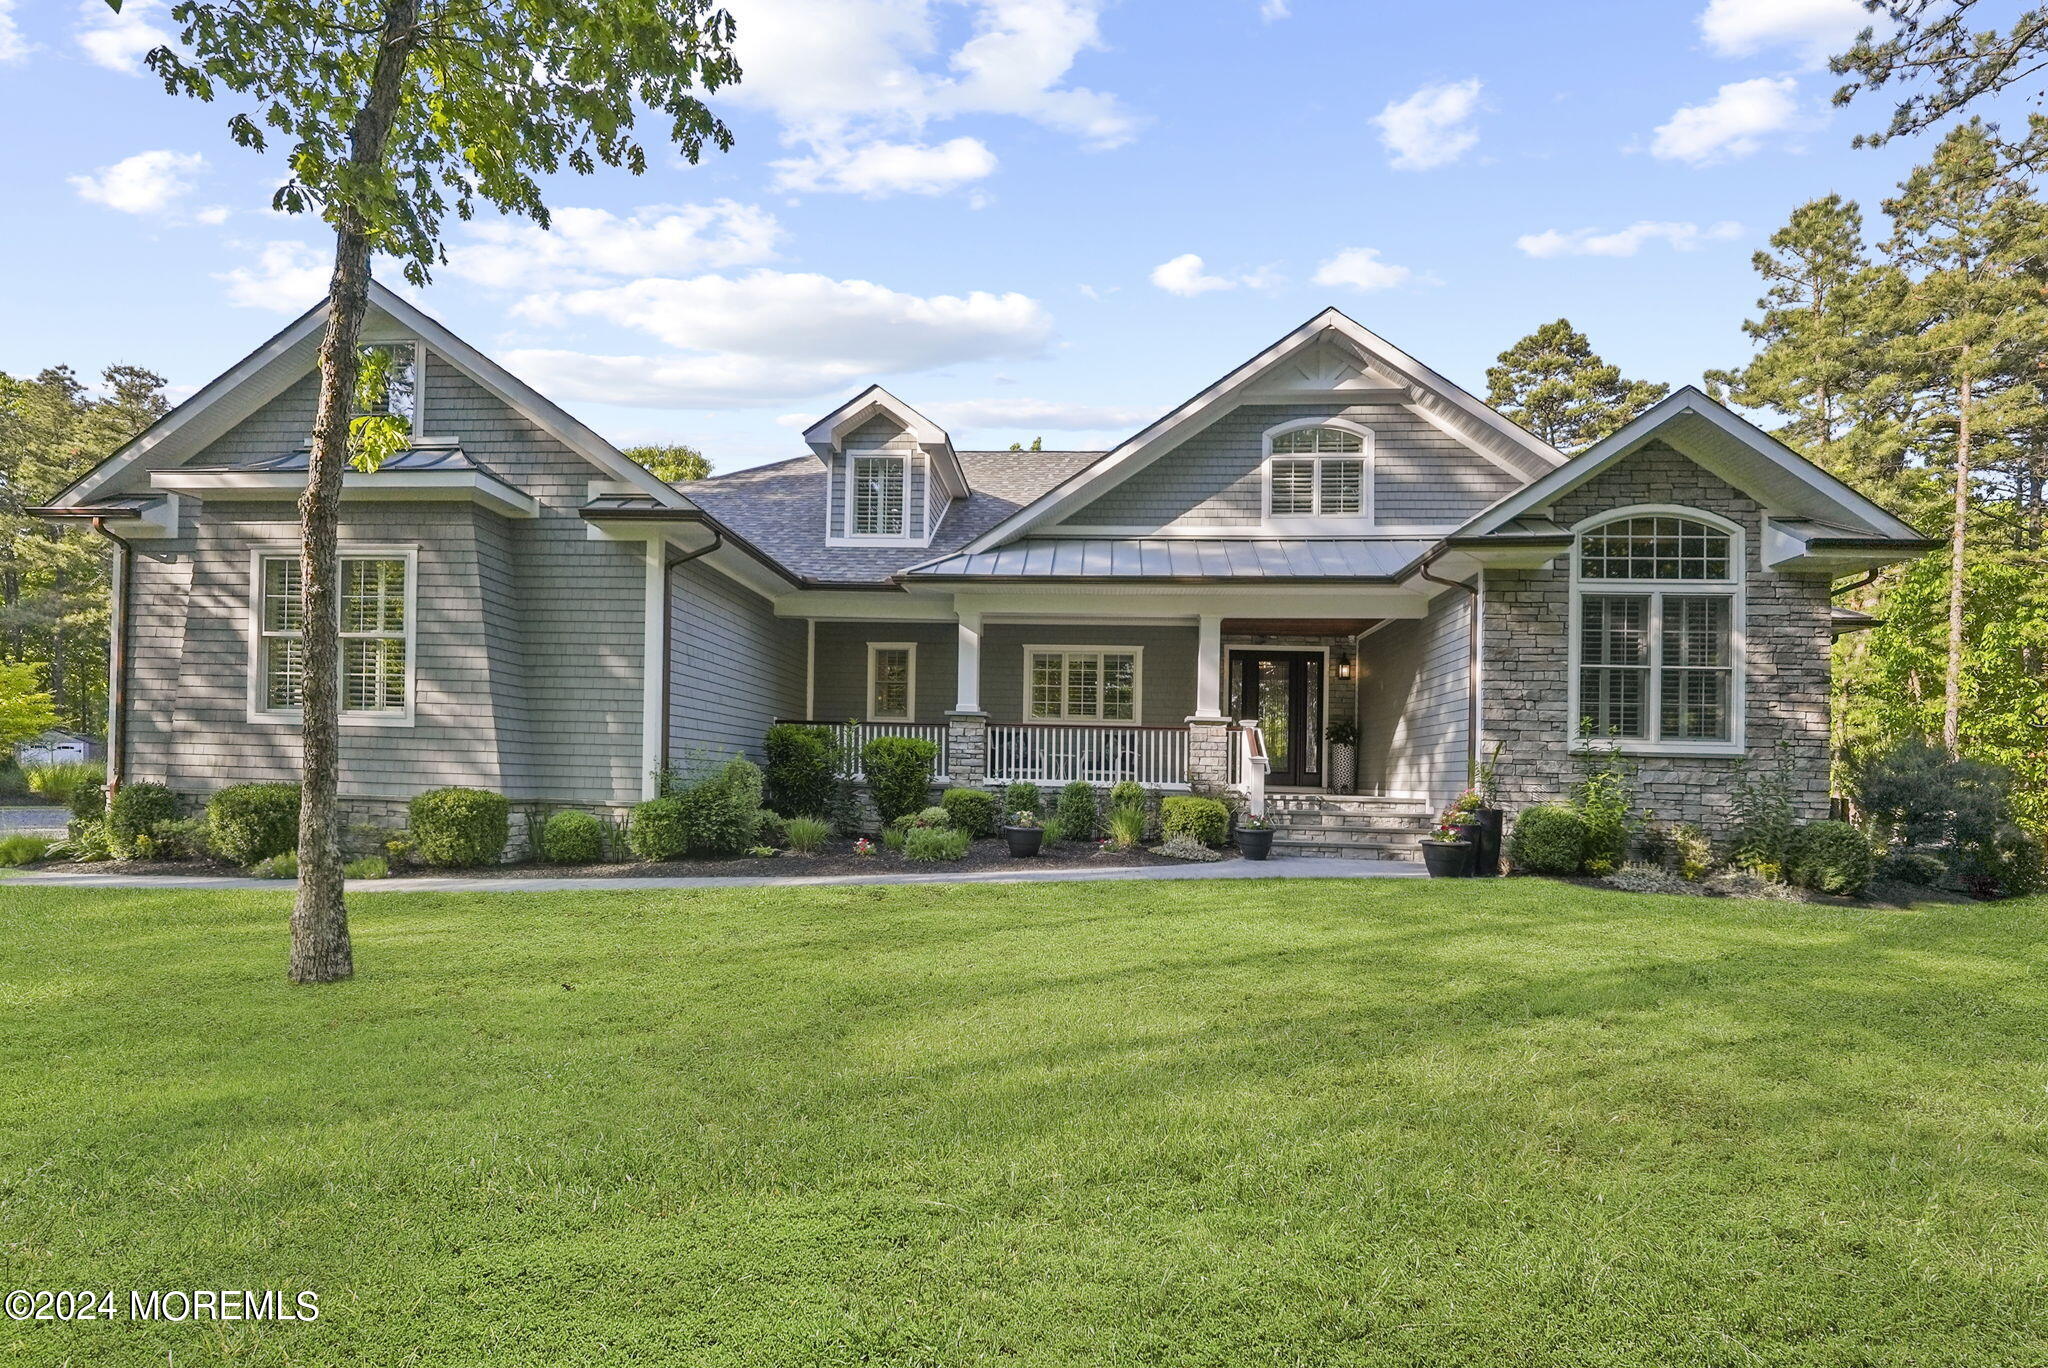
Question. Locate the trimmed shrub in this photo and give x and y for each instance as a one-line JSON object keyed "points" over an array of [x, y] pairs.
{"points": [[572, 838], [134, 810], [1832, 857], [934, 843], [1205, 820], [1127, 793], [768, 828], [367, 867], [21, 850], [656, 830], [182, 838], [807, 835], [459, 828], [285, 866], [1076, 811], [1919, 867], [972, 810], [899, 774], [88, 802], [251, 822], [1022, 798], [718, 813], [1548, 839], [802, 769]]}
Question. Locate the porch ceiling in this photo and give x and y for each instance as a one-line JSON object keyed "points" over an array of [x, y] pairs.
{"points": [[1296, 626]]}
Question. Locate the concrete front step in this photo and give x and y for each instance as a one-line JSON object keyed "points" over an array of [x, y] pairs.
{"points": [[1363, 850], [1388, 823]]}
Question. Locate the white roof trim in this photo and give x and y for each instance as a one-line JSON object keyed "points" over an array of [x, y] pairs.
{"points": [[827, 436], [391, 486], [515, 392], [1688, 399], [1481, 425]]}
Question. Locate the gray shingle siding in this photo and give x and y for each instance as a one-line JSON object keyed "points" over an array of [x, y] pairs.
{"points": [[1412, 703], [1422, 475], [842, 668], [527, 673], [735, 668], [883, 436]]}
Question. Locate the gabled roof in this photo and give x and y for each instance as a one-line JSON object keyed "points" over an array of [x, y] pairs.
{"points": [[287, 356], [828, 435], [1787, 484], [1382, 373]]}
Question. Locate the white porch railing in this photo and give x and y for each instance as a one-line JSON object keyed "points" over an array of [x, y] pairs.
{"points": [[1248, 766], [849, 737], [1053, 754]]}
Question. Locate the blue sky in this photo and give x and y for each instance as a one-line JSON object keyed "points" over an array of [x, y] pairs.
{"points": [[1026, 217]]}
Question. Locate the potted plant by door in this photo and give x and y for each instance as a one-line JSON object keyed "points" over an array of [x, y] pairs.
{"points": [[1487, 813], [1024, 834], [1446, 855], [1254, 837], [1343, 734], [1461, 819]]}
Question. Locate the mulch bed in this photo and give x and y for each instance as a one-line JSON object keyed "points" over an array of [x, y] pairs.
{"points": [[836, 858]]}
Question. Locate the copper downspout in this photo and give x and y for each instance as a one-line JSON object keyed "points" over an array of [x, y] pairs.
{"points": [[117, 664], [1471, 666], [668, 655]]}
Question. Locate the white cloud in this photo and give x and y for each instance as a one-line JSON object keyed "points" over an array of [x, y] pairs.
{"points": [[1186, 276], [1360, 268], [1035, 413], [1624, 242], [13, 46], [772, 335], [1815, 28], [119, 42], [1269, 10], [1732, 124], [585, 245], [146, 183], [881, 168], [213, 214], [1432, 127], [288, 277], [838, 74]]}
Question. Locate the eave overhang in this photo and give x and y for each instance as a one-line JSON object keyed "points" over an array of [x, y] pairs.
{"points": [[397, 486]]}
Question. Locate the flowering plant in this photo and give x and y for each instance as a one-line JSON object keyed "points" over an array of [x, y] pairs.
{"points": [[863, 846], [1023, 819], [1251, 823]]}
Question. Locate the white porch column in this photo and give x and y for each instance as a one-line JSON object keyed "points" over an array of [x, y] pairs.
{"points": [[967, 687], [1209, 667]]}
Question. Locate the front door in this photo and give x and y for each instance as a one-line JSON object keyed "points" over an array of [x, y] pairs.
{"points": [[1283, 692]]}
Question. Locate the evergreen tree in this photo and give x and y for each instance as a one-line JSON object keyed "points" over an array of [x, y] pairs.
{"points": [[1554, 384]]}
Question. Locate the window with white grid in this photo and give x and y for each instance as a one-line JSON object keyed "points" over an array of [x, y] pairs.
{"points": [[376, 635], [1317, 472], [877, 496], [1064, 684], [1655, 653]]}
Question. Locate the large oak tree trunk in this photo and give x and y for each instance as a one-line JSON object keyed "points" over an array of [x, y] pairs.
{"points": [[1952, 693], [320, 942]]}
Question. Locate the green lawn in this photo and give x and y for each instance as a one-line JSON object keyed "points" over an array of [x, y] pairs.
{"points": [[1176, 1124]]}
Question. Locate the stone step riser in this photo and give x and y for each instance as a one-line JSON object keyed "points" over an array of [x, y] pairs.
{"points": [[1394, 853]]}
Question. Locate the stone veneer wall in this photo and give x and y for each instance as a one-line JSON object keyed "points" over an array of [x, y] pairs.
{"points": [[1525, 657]]}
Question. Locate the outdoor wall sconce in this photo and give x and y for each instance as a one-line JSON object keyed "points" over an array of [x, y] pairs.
{"points": [[1344, 666]]}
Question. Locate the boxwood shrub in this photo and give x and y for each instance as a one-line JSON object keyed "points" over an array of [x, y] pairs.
{"points": [[1205, 820], [250, 822], [459, 828], [1021, 798], [1832, 857], [1076, 811], [972, 810], [1548, 839], [572, 838], [801, 771], [134, 810], [656, 831], [899, 773]]}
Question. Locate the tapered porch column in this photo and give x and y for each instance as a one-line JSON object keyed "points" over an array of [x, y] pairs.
{"points": [[966, 723], [1209, 737]]}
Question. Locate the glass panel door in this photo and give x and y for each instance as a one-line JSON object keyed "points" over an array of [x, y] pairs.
{"points": [[1282, 691]]}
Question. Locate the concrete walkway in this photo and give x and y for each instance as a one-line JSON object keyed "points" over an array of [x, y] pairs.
{"points": [[1227, 869]]}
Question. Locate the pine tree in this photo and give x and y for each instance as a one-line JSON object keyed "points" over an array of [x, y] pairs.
{"points": [[1554, 384]]}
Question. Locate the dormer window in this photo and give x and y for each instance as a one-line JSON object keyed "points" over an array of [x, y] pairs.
{"points": [[1317, 471], [878, 497]]}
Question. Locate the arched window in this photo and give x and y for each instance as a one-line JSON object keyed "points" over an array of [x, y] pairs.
{"points": [[1318, 470], [1657, 629]]}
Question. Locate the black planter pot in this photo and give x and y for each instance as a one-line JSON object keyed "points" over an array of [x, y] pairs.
{"points": [[1446, 859], [1468, 832], [1024, 840], [1486, 854], [1255, 843]]}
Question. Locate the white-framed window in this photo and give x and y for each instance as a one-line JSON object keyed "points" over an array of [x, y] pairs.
{"points": [[875, 495], [1656, 632], [892, 681], [388, 382], [1318, 471], [1082, 683], [376, 616]]}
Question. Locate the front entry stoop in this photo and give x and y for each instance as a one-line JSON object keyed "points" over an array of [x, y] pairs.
{"points": [[1344, 826]]}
